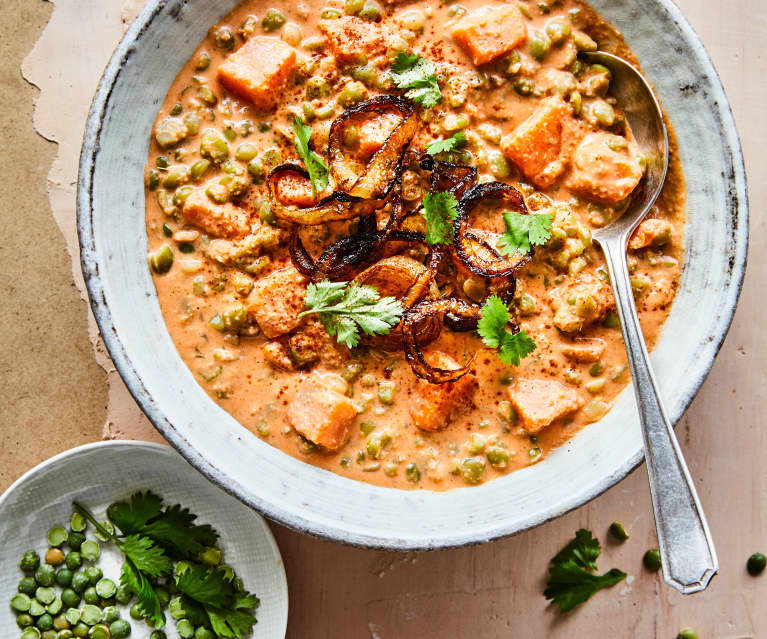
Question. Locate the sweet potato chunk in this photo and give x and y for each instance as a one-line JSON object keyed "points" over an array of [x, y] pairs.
{"points": [[322, 414], [276, 301], [375, 131], [221, 220], [651, 232], [584, 350], [489, 32], [350, 39], [434, 406], [605, 167], [259, 70], [581, 303], [537, 147], [539, 402]]}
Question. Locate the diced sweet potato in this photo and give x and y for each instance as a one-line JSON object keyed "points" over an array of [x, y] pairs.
{"points": [[375, 131], [489, 32], [434, 406], [539, 402], [221, 220], [605, 167], [581, 303], [259, 70], [276, 355], [294, 189], [276, 301], [584, 350], [651, 232], [352, 39], [537, 146], [321, 414]]}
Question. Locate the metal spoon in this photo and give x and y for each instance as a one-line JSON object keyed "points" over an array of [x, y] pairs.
{"points": [[687, 551]]}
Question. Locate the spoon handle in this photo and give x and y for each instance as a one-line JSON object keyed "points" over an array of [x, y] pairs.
{"points": [[686, 549]]}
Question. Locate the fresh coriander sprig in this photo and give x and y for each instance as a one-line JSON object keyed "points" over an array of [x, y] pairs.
{"points": [[571, 579], [345, 308], [418, 76], [446, 145], [439, 211], [315, 165], [511, 348], [524, 231]]}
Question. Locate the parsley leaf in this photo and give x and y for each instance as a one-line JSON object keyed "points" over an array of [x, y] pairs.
{"points": [[315, 165], [439, 210], [570, 582], [145, 556], [345, 308], [511, 347], [453, 143], [417, 75], [524, 231]]}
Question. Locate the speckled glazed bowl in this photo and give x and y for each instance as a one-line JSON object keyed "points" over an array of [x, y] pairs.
{"points": [[113, 244]]}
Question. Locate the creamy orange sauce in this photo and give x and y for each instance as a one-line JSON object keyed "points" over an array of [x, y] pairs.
{"points": [[233, 369]]}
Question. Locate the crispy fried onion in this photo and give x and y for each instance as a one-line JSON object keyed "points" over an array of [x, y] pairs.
{"points": [[474, 248], [425, 311], [385, 165], [290, 195]]}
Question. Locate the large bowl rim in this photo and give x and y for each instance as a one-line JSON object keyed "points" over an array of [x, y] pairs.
{"points": [[337, 532]]}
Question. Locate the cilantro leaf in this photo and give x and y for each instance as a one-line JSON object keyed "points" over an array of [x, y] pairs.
{"points": [[524, 231], [315, 165], [175, 531], [345, 308], [130, 517], [148, 601], [439, 211], [230, 623], [511, 348], [570, 582], [205, 586], [145, 556], [570, 585], [583, 549], [453, 143], [418, 76]]}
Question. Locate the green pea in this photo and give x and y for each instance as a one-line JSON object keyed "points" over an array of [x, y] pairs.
{"points": [[75, 539], [272, 20], [49, 634], [99, 631], [123, 595], [308, 112], [351, 136], [106, 588], [213, 146], [472, 469], [57, 536], [499, 165], [583, 42], [457, 10], [371, 10], [181, 194], [72, 615], [558, 31], [31, 633], [176, 608], [687, 633], [205, 93], [45, 594], [185, 629], [351, 95], [651, 560], [161, 262], [329, 13], [618, 531], [497, 457], [353, 7], [24, 621], [386, 392], [246, 152], [158, 634], [223, 38], [136, 612], [45, 575], [21, 602], [192, 123], [119, 628], [64, 634], [27, 585], [80, 581], [203, 61], [36, 608], [539, 45], [603, 113], [524, 86], [80, 630], [90, 549], [30, 561], [91, 614], [90, 595], [54, 556], [44, 622], [413, 473], [60, 622], [756, 563]]}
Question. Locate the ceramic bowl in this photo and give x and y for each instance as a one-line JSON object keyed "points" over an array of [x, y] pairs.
{"points": [[97, 475], [114, 245]]}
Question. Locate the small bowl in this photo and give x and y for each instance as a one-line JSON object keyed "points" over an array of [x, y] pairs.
{"points": [[97, 475], [113, 250]]}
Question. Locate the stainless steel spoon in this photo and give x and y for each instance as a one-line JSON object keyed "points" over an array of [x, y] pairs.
{"points": [[687, 551]]}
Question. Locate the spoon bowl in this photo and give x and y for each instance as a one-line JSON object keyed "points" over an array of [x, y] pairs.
{"points": [[687, 551]]}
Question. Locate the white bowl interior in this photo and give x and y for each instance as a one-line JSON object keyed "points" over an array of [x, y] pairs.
{"points": [[113, 243], [99, 474]]}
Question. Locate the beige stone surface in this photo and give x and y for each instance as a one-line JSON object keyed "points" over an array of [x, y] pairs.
{"points": [[54, 394]]}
